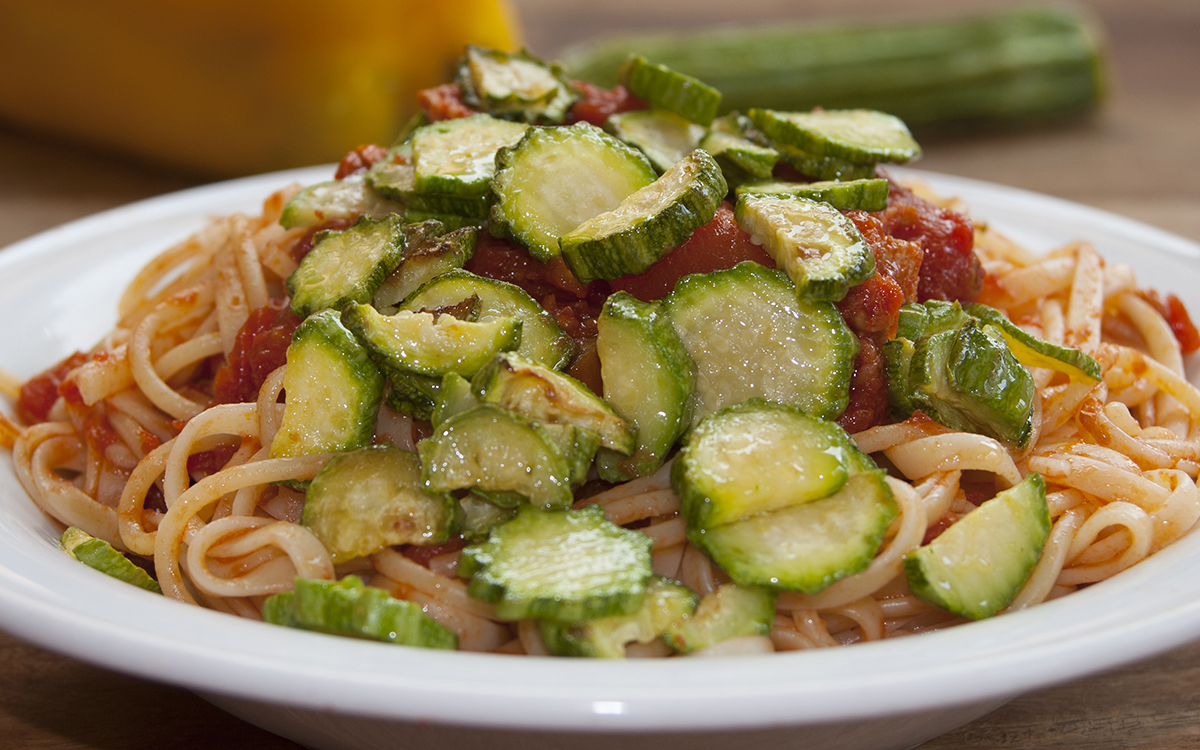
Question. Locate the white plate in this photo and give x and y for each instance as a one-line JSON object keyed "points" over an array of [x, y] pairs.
{"points": [[58, 293]]}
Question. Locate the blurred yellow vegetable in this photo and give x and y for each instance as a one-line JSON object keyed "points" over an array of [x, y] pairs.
{"points": [[229, 87]]}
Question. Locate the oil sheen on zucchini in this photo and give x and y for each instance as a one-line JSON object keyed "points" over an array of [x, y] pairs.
{"points": [[751, 335]]}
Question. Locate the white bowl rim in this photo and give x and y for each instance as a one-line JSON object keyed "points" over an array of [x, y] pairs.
{"points": [[52, 601]]}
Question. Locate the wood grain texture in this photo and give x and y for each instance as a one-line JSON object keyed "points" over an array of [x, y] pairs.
{"points": [[1138, 156]]}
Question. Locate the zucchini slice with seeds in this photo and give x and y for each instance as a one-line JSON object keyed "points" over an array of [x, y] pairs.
{"points": [[729, 612], [550, 397], [347, 266], [756, 457], [333, 391], [684, 95], [977, 566], [666, 602], [740, 160], [515, 86], [542, 339], [856, 135], [102, 556], [490, 449], [345, 200], [647, 377], [664, 137], [750, 334], [647, 224], [372, 498], [458, 157], [569, 565], [864, 195], [818, 246], [555, 179], [350, 608], [431, 250], [805, 547]]}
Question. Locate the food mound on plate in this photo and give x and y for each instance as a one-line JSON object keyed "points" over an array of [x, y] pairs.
{"points": [[608, 372]]}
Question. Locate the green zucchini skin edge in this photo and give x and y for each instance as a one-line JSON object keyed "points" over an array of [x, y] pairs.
{"points": [[685, 95]]}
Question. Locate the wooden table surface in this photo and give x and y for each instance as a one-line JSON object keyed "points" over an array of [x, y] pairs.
{"points": [[1138, 156]]}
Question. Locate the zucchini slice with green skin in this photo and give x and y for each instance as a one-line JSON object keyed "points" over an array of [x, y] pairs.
{"points": [[740, 160], [428, 344], [347, 266], [555, 179], [542, 339], [455, 394], [344, 200], [968, 380], [729, 612], [550, 397], [431, 250], [458, 156], [648, 378], [977, 566], [664, 137], [751, 335], [688, 97], [515, 86], [818, 246], [100, 555], [350, 608], [395, 178], [490, 449], [918, 320], [369, 499], [666, 602], [450, 221], [577, 445], [756, 457], [411, 393], [824, 167], [805, 547], [857, 135], [333, 391], [520, 568], [897, 356], [1034, 352], [864, 195], [647, 224]]}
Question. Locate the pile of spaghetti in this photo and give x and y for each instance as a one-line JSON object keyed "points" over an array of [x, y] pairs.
{"points": [[157, 441]]}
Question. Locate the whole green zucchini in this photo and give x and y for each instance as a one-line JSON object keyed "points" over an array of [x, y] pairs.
{"points": [[1029, 64]]}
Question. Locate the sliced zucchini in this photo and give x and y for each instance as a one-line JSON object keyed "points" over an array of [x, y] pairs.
{"points": [[755, 457], [450, 221], [405, 134], [555, 179], [750, 335], [898, 354], [490, 449], [349, 608], [648, 377], [515, 86], [395, 178], [458, 156], [649, 223], [550, 397], [968, 380], [577, 445], [100, 555], [927, 318], [568, 565], [824, 167], [741, 160], [480, 516], [976, 567], [864, 195], [666, 602], [729, 612], [347, 266], [1034, 352], [431, 250], [542, 339], [664, 137], [333, 391], [455, 394], [818, 246], [856, 135], [428, 344], [373, 498], [805, 547], [684, 95], [411, 393], [344, 200]]}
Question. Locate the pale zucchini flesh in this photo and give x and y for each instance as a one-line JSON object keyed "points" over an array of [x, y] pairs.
{"points": [[863, 195], [666, 602], [347, 266], [731, 611], [858, 135], [664, 137], [337, 200]]}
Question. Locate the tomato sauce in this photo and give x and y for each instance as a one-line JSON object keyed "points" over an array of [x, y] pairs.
{"points": [[1176, 315], [596, 104], [868, 389], [359, 160], [39, 393], [443, 102], [950, 270], [259, 349]]}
